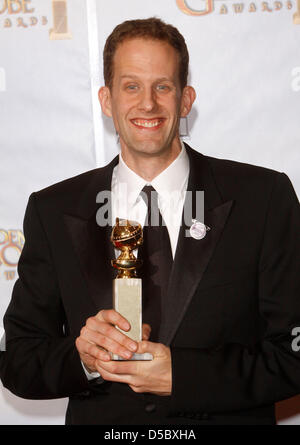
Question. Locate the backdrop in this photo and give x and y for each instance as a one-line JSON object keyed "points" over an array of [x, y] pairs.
{"points": [[245, 67]]}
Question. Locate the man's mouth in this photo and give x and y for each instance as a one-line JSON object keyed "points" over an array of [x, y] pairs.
{"points": [[148, 123]]}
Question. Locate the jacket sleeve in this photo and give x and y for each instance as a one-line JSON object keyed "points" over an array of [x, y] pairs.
{"points": [[41, 360], [234, 377]]}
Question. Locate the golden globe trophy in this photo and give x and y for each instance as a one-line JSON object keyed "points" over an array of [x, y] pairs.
{"points": [[127, 236], [60, 29]]}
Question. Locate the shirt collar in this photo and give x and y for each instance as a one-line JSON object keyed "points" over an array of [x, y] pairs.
{"points": [[173, 178]]}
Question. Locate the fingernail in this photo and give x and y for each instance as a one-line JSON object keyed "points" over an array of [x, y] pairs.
{"points": [[127, 354], [132, 346]]}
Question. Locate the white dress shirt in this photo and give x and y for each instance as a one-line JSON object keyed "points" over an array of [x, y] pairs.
{"points": [[170, 184]]}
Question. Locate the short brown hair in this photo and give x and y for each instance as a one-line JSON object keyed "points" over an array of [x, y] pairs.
{"points": [[152, 28]]}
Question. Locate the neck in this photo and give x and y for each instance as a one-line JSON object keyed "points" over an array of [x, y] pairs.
{"points": [[148, 166]]}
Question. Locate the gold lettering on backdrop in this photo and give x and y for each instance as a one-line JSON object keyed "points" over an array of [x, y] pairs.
{"points": [[60, 21], [16, 237], [21, 23], [4, 7], [296, 16], [3, 256], [223, 9], [265, 7], [9, 274], [33, 21], [7, 23], [14, 6], [238, 7], [25, 6], [183, 5], [3, 236], [10, 239]]}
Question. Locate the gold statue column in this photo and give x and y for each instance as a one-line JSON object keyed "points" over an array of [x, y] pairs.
{"points": [[297, 14], [60, 21], [127, 287]]}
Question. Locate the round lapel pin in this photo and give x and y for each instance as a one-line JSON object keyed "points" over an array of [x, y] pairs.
{"points": [[198, 229]]}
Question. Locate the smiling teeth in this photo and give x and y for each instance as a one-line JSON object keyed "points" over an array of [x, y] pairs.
{"points": [[147, 124]]}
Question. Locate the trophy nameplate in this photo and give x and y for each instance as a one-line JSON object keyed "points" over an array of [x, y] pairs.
{"points": [[127, 287]]}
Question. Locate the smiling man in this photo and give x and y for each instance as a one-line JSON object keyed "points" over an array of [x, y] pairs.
{"points": [[219, 309], [146, 99]]}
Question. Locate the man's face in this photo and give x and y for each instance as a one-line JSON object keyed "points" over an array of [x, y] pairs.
{"points": [[146, 100]]}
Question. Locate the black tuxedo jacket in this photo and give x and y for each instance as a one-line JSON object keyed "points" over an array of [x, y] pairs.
{"points": [[233, 301]]}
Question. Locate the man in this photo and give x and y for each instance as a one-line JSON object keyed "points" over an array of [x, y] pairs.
{"points": [[222, 351]]}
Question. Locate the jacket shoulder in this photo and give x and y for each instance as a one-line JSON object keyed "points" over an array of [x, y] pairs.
{"points": [[234, 171], [241, 170], [76, 194], [69, 185], [84, 186], [239, 178]]}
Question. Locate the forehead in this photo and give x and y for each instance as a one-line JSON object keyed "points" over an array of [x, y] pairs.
{"points": [[140, 56]]}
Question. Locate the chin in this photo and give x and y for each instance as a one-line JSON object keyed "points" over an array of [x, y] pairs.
{"points": [[150, 147], [150, 151]]}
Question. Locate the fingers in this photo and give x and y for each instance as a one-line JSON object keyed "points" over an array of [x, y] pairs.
{"points": [[91, 350], [113, 317], [108, 337], [99, 336], [146, 330], [118, 371], [154, 376], [131, 367], [110, 377], [119, 367]]}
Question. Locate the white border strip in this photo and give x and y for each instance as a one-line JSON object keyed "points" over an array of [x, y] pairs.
{"points": [[94, 54]]}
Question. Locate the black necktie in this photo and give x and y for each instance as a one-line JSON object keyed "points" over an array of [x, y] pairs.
{"points": [[157, 262]]}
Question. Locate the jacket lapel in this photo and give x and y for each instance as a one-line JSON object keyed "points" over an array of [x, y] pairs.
{"points": [[192, 256], [91, 242]]}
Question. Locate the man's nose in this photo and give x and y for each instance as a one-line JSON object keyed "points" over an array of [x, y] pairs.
{"points": [[148, 100]]}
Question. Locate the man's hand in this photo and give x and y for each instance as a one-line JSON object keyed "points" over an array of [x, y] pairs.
{"points": [[100, 335], [154, 376]]}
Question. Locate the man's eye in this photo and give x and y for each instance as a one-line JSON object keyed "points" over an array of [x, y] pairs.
{"points": [[162, 87], [131, 87]]}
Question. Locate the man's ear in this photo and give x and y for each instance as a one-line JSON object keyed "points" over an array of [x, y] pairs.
{"points": [[105, 101], [187, 100]]}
